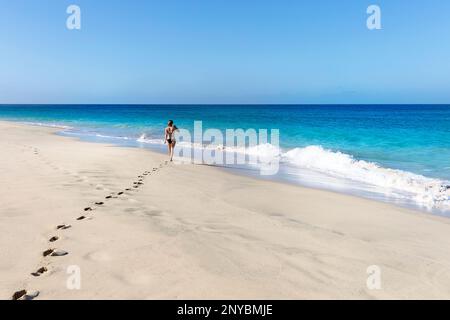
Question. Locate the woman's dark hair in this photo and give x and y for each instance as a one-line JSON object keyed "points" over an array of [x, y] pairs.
{"points": [[170, 122]]}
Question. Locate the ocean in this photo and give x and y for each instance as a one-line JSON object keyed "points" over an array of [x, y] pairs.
{"points": [[393, 153]]}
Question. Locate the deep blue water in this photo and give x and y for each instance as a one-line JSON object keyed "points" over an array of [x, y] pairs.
{"points": [[327, 140]]}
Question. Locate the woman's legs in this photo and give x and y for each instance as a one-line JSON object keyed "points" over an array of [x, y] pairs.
{"points": [[172, 147]]}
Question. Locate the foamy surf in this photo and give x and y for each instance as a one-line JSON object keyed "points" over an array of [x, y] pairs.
{"points": [[395, 183], [144, 139], [422, 190], [49, 125]]}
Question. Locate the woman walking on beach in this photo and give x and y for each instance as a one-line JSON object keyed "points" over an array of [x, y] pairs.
{"points": [[169, 137]]}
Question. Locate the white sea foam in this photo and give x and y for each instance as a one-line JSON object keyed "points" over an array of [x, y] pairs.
{"points": [[143, 139], [49, 125], [112, 137], [266, 151], [423, 190]]}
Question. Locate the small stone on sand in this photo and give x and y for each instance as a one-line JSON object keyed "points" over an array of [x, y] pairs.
{"points": [[31, 295], [59, 253]]}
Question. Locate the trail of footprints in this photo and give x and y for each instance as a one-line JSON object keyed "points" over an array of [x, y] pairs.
{"points": [[77, 176], [54, 252]]}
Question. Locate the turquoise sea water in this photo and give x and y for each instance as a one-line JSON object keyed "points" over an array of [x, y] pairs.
{"points": [[395, 153]]}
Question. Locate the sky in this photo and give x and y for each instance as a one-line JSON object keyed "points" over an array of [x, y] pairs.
{"points": [[224, 51]]}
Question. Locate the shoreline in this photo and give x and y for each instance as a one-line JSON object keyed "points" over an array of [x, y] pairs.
{"points": [[311, 182], [212, 235]]}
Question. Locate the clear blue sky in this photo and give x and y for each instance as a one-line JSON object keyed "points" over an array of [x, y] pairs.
{"points": [[228, 51]]}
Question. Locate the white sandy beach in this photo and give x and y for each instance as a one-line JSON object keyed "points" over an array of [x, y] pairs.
{"points": [[196, 232]]}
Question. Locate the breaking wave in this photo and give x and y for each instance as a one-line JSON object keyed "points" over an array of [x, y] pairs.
{"points": [[422, 190]]}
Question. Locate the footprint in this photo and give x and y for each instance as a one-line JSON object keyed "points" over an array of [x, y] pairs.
{"points": [[47, 252], [88, 209], [108, 197], [81, 218], [53, 239], [24, 295], [63, 227], [19, 294], [99, 204], [120, 193], [101, 256], [154, 213], [39, 271]]}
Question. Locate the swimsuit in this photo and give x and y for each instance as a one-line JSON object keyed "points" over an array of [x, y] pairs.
{"points": [[172, 138]]}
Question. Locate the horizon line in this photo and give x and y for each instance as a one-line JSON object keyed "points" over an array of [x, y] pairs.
{"points": [[223, 104]]}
